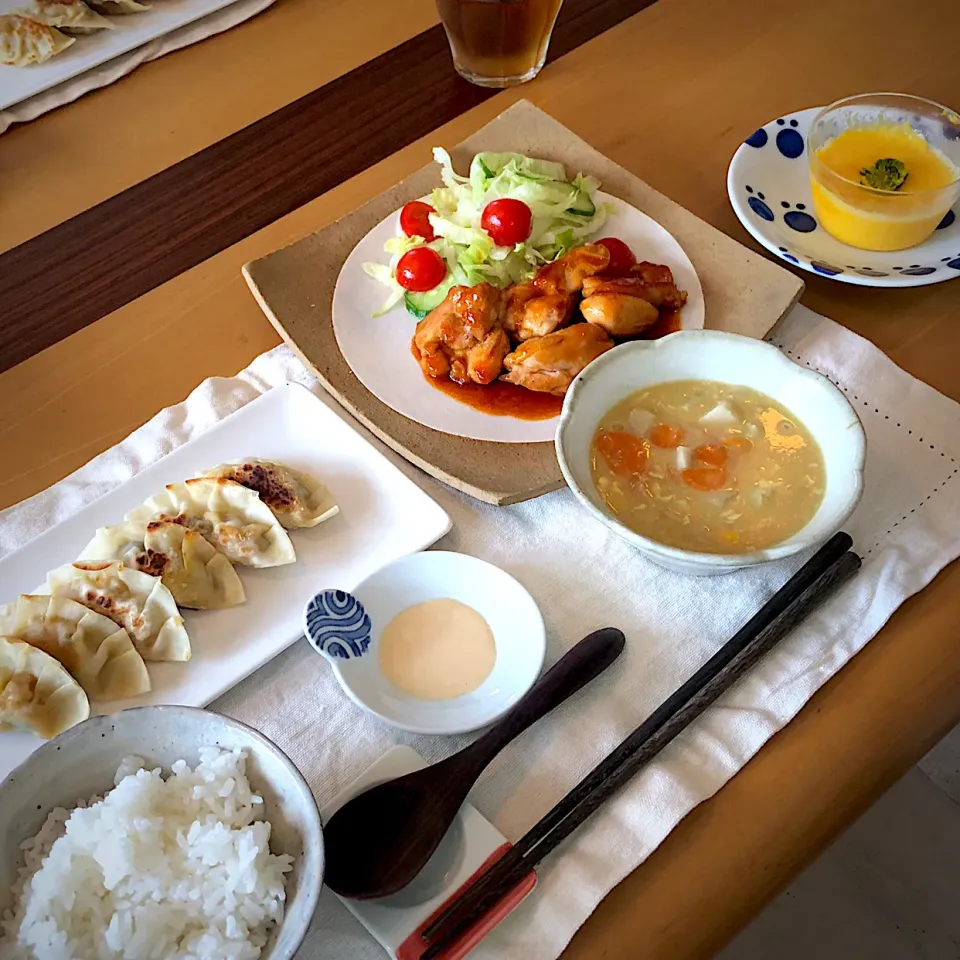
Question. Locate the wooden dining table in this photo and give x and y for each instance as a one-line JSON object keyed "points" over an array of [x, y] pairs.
{"points": [[125, 218]]}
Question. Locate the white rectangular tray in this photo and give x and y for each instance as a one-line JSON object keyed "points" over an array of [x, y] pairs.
{"points": [[383, 515], [130, 31]]}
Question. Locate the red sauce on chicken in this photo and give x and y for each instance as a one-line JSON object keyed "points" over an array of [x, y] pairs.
{"points": [[499, 399]]}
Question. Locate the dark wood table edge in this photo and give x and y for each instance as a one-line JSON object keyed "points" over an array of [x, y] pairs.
{"points": [[73, 274]]}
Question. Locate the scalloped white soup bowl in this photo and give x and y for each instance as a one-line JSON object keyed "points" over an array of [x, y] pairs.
{"points": [[734, 359]]}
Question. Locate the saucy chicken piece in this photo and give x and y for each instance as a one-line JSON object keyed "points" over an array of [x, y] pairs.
{"points": [[626, 306], [549, 364], [463, 338], [619, 314], [652, 272], [541, 315], [568, 273], [547, 303], [648, 281]]}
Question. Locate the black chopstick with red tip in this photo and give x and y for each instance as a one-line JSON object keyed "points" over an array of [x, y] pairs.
{"points": [[828, 569]]}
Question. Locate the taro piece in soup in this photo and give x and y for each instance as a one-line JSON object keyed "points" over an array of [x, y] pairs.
{"points": [[707, 466]]}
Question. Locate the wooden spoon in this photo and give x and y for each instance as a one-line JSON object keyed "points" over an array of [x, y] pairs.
{"points": [[380, 840]]}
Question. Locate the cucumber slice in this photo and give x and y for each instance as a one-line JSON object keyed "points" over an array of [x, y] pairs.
{"points": [[420, 304], [582, 206]]}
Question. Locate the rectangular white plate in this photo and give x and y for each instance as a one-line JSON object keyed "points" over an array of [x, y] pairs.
{"points": [[383, 516], [130, 31]]}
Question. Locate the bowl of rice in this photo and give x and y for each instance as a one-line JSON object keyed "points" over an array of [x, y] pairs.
{"points": [[158, 832]]}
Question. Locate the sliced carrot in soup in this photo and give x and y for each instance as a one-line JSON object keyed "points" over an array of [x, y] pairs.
{"points": [[626, 455], [713, 453], [705, 478], [739, 444], [664, 435]]}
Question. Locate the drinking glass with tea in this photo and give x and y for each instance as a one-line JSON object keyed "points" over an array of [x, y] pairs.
{"points": [[498, 43]]}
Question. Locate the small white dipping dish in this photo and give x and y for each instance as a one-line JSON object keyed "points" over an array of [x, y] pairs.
{"points": [[729, 358], [83, 761], [345, 628]]}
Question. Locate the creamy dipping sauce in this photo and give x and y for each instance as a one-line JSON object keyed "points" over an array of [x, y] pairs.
{"points": [[437, 650]]}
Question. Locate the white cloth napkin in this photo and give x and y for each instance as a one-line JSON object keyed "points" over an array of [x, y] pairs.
{"points": [[584, 577], [106, 73]]}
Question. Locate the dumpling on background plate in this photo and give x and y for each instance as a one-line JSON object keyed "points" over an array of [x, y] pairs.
{"points": [[296, 499], [231, 517], [113, 8], [36, 693], [70, 16], [136, 601], [197, 575], [24, 41], [99, 655]]}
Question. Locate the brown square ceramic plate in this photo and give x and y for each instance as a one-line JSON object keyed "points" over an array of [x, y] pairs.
{"points": [[743, 293]]}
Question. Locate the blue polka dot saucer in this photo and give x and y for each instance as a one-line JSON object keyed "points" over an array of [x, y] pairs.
{"points": [[769, 186]]}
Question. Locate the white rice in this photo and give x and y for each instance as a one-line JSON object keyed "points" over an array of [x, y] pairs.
{"points": [[175, 869]]}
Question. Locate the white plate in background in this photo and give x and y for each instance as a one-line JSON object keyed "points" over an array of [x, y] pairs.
{"points": [[130, 31], [383, 516], [377, 349]]}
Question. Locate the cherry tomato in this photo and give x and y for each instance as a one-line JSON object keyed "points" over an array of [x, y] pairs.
{"points": [[663, 435], [420, 269], [705, 478], [621, 257], [626, 455], [415, 220], [507, 221]]}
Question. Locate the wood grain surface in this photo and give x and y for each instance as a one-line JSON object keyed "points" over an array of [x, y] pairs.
{"points": [[71, 275], [669, 95], [173, 107], [743, 292]]}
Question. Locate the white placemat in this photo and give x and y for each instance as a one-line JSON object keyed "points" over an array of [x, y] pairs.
{"points": [[120, 66], [584, 577]]}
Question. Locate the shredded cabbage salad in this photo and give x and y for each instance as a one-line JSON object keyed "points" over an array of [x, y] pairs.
{"points": [[565, 212]]}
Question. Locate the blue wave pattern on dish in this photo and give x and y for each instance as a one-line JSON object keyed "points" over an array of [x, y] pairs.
{"points": [[338, 625]]}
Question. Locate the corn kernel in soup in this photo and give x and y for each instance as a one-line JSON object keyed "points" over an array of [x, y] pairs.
{"points": [[707, 466]]}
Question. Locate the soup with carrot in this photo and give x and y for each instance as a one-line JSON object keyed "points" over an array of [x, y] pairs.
{"points": [[707, 466]]}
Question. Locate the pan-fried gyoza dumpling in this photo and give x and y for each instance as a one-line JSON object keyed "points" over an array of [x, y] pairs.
{"points": [[296, 499], [99, 655], [136, 601], [36, 693], [24, 41], [232, 518], [197, 575], [115, 7], [70, 16]]}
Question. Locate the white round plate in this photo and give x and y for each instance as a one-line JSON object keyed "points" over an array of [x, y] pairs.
{"points": [[345, 628], [378, 349], [769, 186]]}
